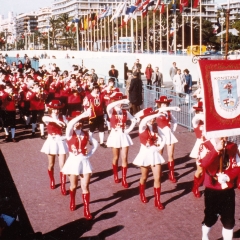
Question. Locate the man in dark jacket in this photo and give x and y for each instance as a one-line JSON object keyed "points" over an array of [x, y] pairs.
{"points": [[113, 73], [135, 93]]}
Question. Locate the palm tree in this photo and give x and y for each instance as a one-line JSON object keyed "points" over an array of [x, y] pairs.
{"points": [[54, 29], [64, 20]]}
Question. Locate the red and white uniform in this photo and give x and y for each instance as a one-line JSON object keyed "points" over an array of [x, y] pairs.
{"points": [[118, 136], [152, 140], [198, 123], [209, 159], [78, 160], [55, 143], [164, 122]]}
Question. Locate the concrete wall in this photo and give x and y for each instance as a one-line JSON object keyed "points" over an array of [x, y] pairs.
{"points": [[101, 61]]}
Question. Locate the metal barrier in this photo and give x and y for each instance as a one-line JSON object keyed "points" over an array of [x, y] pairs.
{"points": [[184, 101], [34, 62]]}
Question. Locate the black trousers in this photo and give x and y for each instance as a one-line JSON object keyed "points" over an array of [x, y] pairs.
{"points": [[219, 203], [97, 122]]}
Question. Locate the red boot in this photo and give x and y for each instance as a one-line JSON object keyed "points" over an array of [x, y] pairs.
{"points": [[158, 204], [52, 181], [171, 172], [63, 182], [195, 189], [124, 175], [142, 193], [72, 199], [115, 173], [86, 199]]}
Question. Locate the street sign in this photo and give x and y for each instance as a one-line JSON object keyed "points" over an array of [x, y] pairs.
{"points": [[126, 39]]}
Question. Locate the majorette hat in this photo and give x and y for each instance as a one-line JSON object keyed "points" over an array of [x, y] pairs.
{"points": [[163, 99], [75, 114], [117, 96], [199, 106], [145, 112], [55, 104]]}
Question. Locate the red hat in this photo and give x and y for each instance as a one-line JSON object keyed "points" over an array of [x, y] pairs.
{"points": [[55, 104], [24, 87], [117, 96], [163, 99], [75, 114], [199, 106], [145, 112]]}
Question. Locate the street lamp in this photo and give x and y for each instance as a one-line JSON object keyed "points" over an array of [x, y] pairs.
{"points": [[76, 21], [222, 21]]}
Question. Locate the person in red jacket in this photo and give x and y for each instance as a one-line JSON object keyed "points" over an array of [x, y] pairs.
{"points": [[148, 73], [95, 102], [9, 102], [78, 163], [55, 145], [152, 140], [164, 121], [119, 138], [217, 157]]}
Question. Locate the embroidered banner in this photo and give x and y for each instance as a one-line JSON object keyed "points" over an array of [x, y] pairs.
{"points": [[221, 87]]}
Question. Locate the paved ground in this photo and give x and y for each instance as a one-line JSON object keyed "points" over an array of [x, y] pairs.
{"points": [[118, 213]]}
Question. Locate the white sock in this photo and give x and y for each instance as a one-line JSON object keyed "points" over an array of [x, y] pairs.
{"points": [[227, 234], [41, 126], [108, 125], [101, 137], [205, 231], [33, 127], [28, 120], [90, 136], [13, 132], [6, 131]]}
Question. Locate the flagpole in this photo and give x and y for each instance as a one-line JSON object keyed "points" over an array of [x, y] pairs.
{"points": [[101, 33], [105, 38], [167, 32], [154, 15], [200, 27], [108, 30], [132, 35], [112, 25], [183, 28], [160, 19], [94, 34], [191, 29], [136, 22], [148, 32], [142, 39], [227, 29]]}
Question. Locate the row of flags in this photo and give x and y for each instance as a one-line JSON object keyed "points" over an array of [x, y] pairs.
{"points": [[126, 10]]}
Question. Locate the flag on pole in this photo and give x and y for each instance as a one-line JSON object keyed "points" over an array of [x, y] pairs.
{"points": [[118, 11], [85, 22], [107, 11], [171, 33], [183, 4], [68, 26], [126, 16], [162, 8], [156, 6], [145, 3], [195, 3], [145, 8], [81, 26], [174, 6]]}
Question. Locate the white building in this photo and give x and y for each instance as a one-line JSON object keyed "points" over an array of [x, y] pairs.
{"points": [[234, 7]]}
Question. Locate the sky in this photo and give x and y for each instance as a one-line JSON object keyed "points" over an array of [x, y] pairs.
{"points": [[24, 6]]}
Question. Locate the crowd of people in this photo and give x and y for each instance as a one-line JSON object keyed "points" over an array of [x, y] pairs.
{"points": [[74, 104]]}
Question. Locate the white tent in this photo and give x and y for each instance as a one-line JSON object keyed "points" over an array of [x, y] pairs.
{"points": [[232, 31]]}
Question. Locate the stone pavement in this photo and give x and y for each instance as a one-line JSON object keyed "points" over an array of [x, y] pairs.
{"points": [[118, 212]]}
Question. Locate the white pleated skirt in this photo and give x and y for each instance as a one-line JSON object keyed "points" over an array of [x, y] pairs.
{"points": [[55, 145], [195, 150], [170, 138], [118, 139], [77, 165], [148, 156]]}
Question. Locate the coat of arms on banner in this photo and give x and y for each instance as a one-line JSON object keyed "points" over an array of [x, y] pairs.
{"points": [[226, 86], [220, 81]]}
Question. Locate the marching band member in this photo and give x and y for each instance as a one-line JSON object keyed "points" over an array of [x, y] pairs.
{"points": [[78, 163], [95, 102], [198, 122], [55, 145], [164, 121], [217, 157], [119, 136], [152, 140]]}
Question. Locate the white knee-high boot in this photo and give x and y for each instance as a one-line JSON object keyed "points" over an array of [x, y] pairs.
{"points": [[41, 126], [101, 137], [227, 234], [6, 131], [205, 231], [90, 136]]}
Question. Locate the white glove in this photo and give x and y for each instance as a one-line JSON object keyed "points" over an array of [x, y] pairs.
{"points": [[222, 179], [125, 101]]}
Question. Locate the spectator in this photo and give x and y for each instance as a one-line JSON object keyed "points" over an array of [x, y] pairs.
{"points": [[148, 73], [173, 72], [137, 68], [178, 84], [157, 79], [187, 84], [113, 72], [135, 93]]}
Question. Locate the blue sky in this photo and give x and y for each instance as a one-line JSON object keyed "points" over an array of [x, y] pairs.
{"points": [[24, 6]]}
